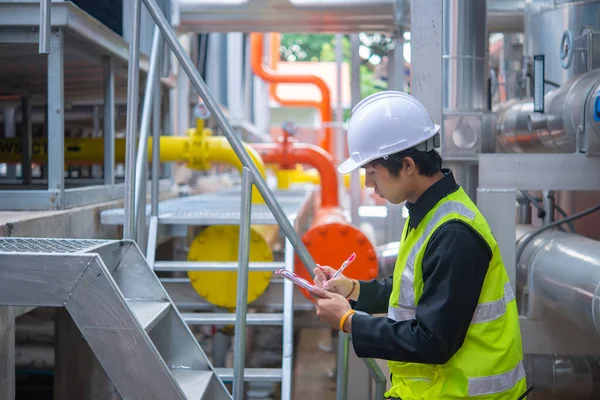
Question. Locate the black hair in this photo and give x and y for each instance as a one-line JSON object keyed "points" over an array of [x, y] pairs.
{"points": [[428, 162]]}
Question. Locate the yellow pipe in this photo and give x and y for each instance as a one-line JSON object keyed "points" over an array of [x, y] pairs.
{"points": [[311, 175], [197, 150]]}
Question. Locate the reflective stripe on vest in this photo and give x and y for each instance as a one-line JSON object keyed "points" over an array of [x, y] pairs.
{"points": [[407, 292], [484, 312], [496, 383]]}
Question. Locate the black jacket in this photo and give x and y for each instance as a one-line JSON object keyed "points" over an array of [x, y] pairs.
{"points": [[455, 263]]}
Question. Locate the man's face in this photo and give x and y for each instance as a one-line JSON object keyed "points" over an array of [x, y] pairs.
{"points": [[392, 188]]}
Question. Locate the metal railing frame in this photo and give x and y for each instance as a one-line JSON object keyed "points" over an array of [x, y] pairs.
{"points": [[250, 174], [342, 373], [135, 167]]}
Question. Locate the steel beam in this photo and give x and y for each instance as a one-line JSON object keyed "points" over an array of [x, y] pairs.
{"points": [[56, 116], [109, 122], [539, 171], [7, 352]]}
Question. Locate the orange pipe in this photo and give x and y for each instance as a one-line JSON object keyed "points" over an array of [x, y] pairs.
{"points": [[289, 154], [273, 61], [270, 76]]}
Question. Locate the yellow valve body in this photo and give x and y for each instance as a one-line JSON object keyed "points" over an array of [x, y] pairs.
{"points": [[220, 243]]}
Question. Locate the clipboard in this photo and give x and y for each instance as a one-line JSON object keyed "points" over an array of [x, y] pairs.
{"points": [[298, 281]]}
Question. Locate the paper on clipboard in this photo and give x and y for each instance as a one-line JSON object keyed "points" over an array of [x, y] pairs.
{"points": [[303, 283]]}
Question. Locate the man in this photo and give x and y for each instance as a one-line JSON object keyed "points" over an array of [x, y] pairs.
{"points": [[452, 328]]}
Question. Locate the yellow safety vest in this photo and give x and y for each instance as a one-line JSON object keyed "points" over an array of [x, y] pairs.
{"points": [[489, 365]]}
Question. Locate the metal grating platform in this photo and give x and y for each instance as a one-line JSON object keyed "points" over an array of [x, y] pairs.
{"points": [[34, 245], [212, 209]]}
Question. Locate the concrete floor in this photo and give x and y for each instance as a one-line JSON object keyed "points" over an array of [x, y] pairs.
{"points": [[312, 366]]}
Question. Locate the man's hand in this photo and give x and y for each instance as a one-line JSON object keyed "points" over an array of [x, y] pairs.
{"points": [[331, 307], [340, 285]]}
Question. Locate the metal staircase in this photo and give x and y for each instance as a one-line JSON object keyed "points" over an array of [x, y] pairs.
{"points": [[223, 208], [121, 309]]}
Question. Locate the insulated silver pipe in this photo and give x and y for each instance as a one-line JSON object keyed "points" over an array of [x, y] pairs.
{"points": [[562, 271], [464, 76], [562, 377], [520, 130]]}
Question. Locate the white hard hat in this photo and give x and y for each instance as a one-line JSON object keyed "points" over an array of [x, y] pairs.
{"points": [[386, 123]]}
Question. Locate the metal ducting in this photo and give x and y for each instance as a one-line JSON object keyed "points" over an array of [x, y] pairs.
{"points": [[562, 272], [313, 16], [569, 123], [464, 77], [562, 377]]}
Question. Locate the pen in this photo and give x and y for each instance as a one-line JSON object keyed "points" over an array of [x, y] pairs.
{"points": [[344, 266]]}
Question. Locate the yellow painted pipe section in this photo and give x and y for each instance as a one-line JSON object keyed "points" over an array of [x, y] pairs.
{"points": [[299, 175], [197, 150]]}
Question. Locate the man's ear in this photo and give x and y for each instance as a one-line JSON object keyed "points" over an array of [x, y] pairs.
{"points": [[409, 166]]}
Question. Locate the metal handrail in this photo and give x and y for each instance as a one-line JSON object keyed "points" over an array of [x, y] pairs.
{"points": [[229, 132], [142, 148], [250, 173], [342, 373]]}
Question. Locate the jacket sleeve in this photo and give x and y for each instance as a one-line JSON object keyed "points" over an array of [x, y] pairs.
{"points": [[455, 263], [374, 296]]}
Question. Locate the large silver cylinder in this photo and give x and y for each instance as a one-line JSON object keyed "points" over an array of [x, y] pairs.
{"points": [[562, 377], [545, 22], [569, 120], [464, 77], [464, 51], [562, 272]]}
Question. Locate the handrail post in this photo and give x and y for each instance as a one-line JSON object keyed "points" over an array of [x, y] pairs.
{"points": [[45, 26], [242, 287], [342, 365], [132, 119], [378, 376], [230, 134], [141, 160]]}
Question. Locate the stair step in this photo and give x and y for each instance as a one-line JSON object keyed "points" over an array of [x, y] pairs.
{"points": [[193, 382], [251, 374], [182, 266], [148, 312], [229, 318]]}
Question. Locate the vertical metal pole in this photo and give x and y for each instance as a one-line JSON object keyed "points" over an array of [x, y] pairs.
{"points": [[339, 140], [230, 134], [132, 119], [242, 287], [141, 160], [10, 132], [378, 376], [56, 117], [342, 362], [156, 128], [7, 353], [109, 122], [426, 55], [235, 74], [27, 140], [45, 26], [355, 192], [288, 326], [549, 203]]}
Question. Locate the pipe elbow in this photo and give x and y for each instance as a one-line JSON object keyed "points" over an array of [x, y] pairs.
{"points": [[324, 164]]}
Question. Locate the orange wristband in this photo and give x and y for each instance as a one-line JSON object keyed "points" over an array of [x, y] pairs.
{"points": [[344, 318]]}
